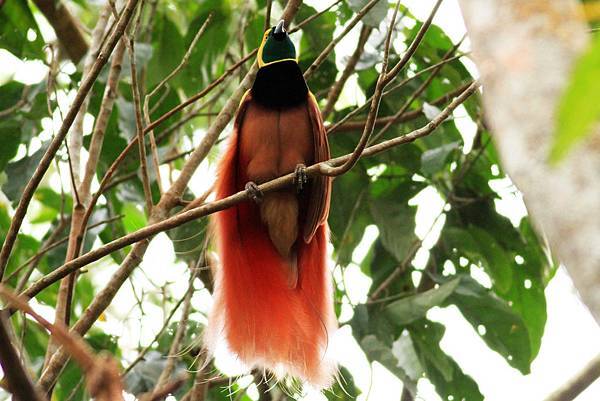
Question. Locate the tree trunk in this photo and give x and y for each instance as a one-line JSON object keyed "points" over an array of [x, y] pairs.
{"points": [[526, 52]]}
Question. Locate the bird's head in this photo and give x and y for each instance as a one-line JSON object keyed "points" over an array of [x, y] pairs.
{"points": [[276, 46]]}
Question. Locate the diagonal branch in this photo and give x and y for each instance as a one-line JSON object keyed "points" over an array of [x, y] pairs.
{"points": [[576, 385], [329, 48], [238, 197], [18, 381], [336, 89], [168, 200], [55, 144], [368, 130], [66, 27]]}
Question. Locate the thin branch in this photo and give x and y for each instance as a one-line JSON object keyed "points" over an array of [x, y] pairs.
{"points": [[368, 130], [238, 197], [135, 88], [308, 20], [17, 379], [101, 373], [414, 44], [184, 60], [407, 116], [156, 337], [55, 144], [337, 87], [20, 103], [577, 384], [268, 15], [329, 48], [175, 71], [75, 137], [179, 334], [417, 92], [66, 27], [98, 133]]}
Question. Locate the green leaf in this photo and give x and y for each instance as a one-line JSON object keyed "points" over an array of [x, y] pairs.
{"points": [[477, 245], [376, 350], [434, 160], [445, 374], [579, 108], [349, 218], [20, 172], [134, 218], [206, 59], [407, 310], [15, 21], [404, 351], [10, 132], [396, 224], [504, 330], [189, 239], [344, 389]]}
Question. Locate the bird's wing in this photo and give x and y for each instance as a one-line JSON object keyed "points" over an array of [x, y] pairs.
{"points": [[320, 186]]}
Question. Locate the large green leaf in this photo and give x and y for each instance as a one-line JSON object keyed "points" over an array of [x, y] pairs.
{"points": [[20, 172], [396, 224], [375, 350], [479, 246], [15, 22], [504, 330], [350, 216], [445, 374], [415, 307], [10, 132], [579, 108]]}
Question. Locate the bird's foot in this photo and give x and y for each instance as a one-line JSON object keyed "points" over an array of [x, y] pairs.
{"points": [[254, 192], [300, 177]]}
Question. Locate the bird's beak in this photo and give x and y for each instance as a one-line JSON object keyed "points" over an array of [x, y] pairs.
{"points": [[279, 32]]}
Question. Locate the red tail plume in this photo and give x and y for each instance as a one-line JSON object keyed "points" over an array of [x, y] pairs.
{"points": [[264, 322]]}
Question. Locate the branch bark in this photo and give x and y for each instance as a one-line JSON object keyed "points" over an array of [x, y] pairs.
{"points": [[579, 383], [526, 53], [66, 27], [225, 203], [159, 213], [336, 89], [55, 144], [18, 380]]}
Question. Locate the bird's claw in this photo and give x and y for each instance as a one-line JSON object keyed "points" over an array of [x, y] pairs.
{"points": [[300, 177], [254, 192]]}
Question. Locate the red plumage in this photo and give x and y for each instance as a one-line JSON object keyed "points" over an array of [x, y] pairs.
{"points": [[275, 312]]}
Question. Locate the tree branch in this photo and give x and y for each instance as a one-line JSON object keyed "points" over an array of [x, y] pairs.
{"points": [[66, 27], [329, 48], [236, 198], [576, 385], [55, 144], [336, 89], [368, 130], [18, 381], [502, 32], [160, 211]]}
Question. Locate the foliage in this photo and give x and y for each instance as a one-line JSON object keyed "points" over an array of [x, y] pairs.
{"points": [[392, 325], [579, 110]]}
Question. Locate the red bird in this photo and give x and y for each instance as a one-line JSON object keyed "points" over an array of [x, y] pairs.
{"points": [[272, 298]]}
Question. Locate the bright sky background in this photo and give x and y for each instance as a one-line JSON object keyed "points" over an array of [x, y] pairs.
{"points": [[570, 341]]}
